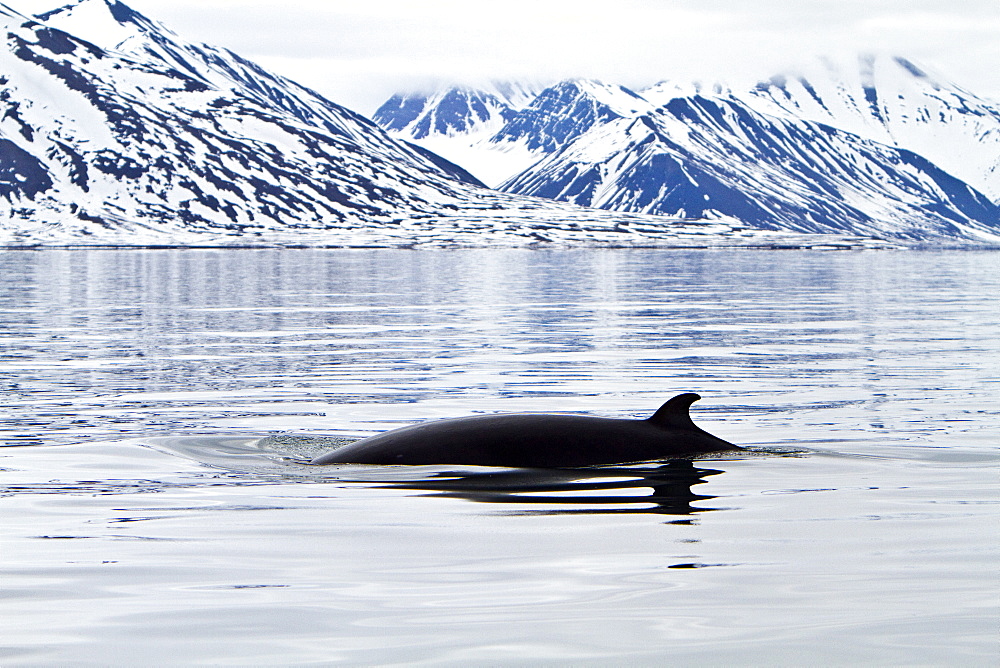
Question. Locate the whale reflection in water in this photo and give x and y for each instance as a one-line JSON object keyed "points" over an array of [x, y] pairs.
{"points": [[604, 490]]}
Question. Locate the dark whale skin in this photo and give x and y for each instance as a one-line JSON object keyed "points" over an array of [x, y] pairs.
{"points": [[535, 440]]}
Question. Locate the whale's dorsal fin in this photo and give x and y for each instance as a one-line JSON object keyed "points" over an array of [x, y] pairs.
{"points": [[674, 413]]}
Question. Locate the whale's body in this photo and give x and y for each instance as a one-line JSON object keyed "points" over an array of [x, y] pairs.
{"points": [[537, 440]]}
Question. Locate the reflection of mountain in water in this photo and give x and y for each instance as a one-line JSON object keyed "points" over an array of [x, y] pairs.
{"points": [[579, 491]]}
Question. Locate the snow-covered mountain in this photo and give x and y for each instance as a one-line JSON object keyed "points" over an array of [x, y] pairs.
{"points": [[159, 133], [858, 155], [498, 146], [704, 158], [459, 110], [458, 123], [113, 130], [895, 102], [563, 112], [119, 30]]}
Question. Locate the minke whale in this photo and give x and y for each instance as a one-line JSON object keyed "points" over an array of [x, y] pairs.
{"points": [[536, 440]]}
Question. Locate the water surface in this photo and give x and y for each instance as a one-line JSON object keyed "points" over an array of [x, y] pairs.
{"points": [[160, 405]]}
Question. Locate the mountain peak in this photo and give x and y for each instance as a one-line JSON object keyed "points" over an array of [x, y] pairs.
{"points": [[456, 110], [517, 94], [663, 92], [618, 99], [109, 24]]}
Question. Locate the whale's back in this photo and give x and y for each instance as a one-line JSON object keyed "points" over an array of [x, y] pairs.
{"points": [[536, 440]]}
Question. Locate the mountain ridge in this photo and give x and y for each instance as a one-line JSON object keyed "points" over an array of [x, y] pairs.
{"points": [[689, 159]]}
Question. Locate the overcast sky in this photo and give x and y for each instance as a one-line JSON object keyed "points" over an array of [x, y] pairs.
{"points": [[358, 52]]}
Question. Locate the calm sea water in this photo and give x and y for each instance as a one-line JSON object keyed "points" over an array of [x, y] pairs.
{"points": [[158, 407]]}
